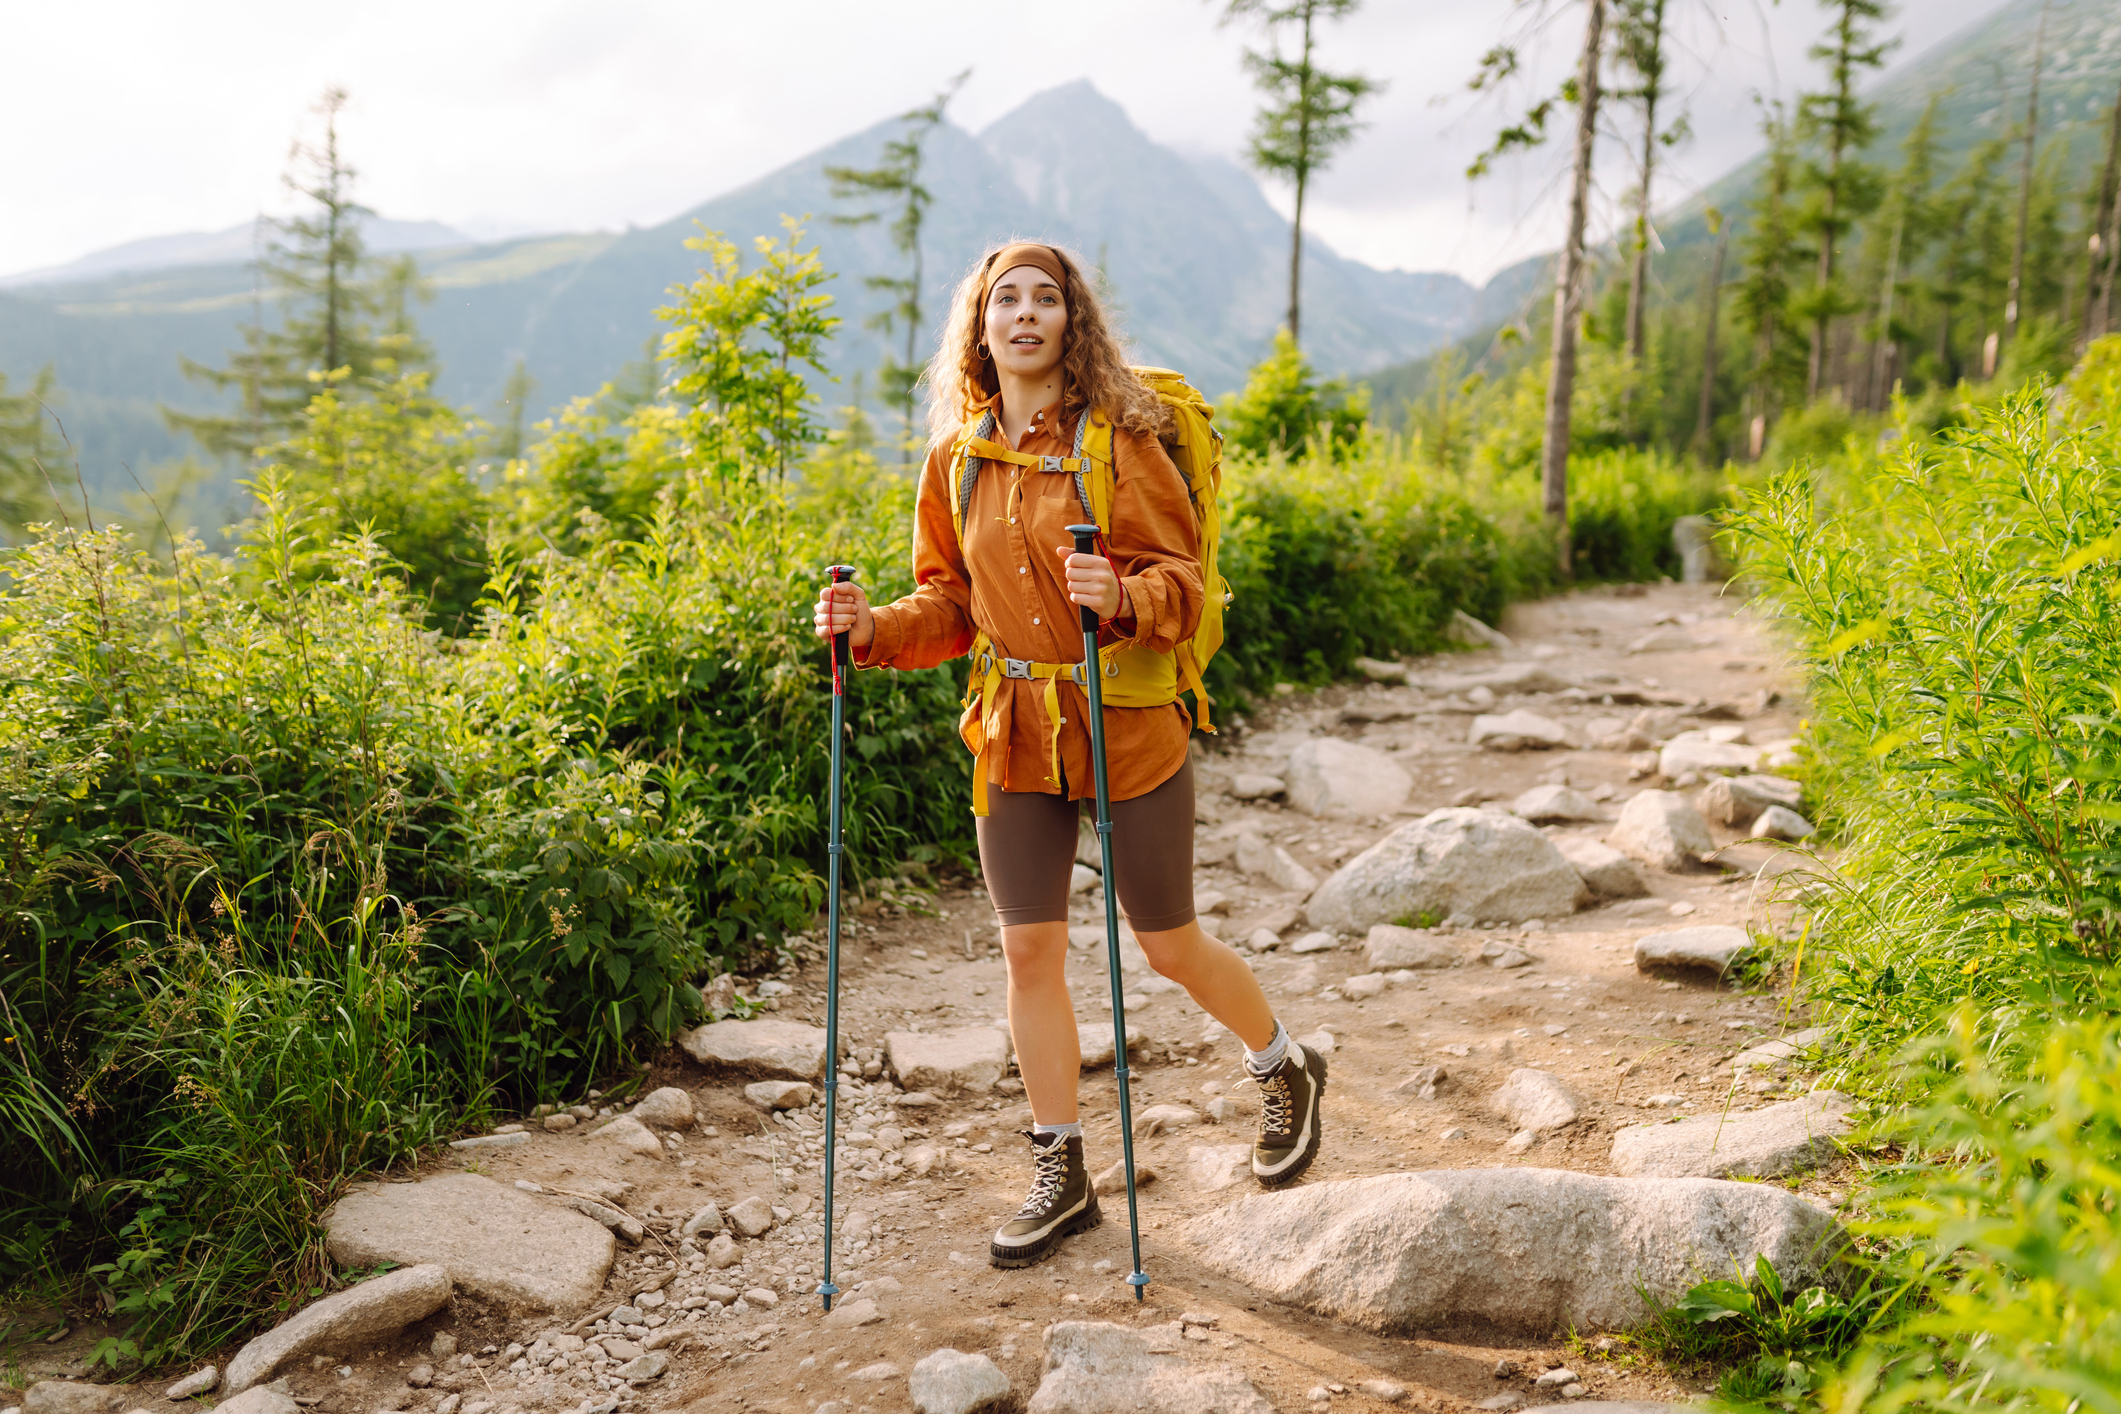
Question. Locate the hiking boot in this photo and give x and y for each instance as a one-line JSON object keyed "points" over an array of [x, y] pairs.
{"points": [[1289, 1121], [1062, 1203]]}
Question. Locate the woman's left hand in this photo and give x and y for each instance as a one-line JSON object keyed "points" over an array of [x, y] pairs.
{"points": [[1091, 582]]}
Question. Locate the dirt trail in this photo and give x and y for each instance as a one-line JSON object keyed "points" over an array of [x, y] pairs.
{"points": [[1579, 1010]]}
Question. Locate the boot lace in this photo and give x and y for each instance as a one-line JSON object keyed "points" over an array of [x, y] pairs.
{"points": [[1274, 1103], [1049, 1173]]}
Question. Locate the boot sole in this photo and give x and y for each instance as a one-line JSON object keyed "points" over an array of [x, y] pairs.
{"points": [[1296, 1170], [1046, 1246]]}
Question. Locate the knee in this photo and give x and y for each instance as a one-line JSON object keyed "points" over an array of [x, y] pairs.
{"points": [[1173, 953], [1036, 951]]}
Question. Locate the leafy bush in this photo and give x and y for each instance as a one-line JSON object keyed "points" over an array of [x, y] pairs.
{"points": [[1285, 407]]}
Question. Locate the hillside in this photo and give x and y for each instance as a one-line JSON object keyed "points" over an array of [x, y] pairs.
{"points": [[1192, 249], [1981, 74]]}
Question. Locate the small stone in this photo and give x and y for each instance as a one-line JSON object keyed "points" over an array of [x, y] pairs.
{"points": [[948, 1381], [629, 1134], [491, 1141], [1604, 870], [648, 1365], [667, 1108], [1214, 1167], [1522, 1140], [1389, 946], [1256, 787], [752, 1217], [847, 1315], [706, 1219], [1574, 1391], [199, 1382], [722, 1252], [1082, 879], [1158, 1118], [1536, 1101], [1314, 942], [1508, 1399], [420, 1376], [765, 1047], [1363, 986], [1423, 1083], [1505, 1369], [375, 1308], [1517, 731], [881, 1370], [1262, 940], [1385, 1391], [763, 1296], [1321, 1041], [259, 1399], [443, 1346], [1779, 823], [1710, 947], [558, 1122], [1550, 803], [1555, 1379], [1452, 1134], [1506, 957], [773, 1095], [1663, 830]]}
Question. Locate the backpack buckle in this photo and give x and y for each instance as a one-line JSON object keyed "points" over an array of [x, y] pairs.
{"points": [[1052, 464]]}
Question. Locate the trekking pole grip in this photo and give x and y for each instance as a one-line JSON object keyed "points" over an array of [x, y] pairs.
{"points": [[841, 574], [1086, 544]]}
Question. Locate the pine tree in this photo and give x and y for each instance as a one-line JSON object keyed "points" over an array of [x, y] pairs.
{"points": [[2030, 136], [1841, 189], [30, 451], [1309, 114], [1763, 299], [2103, 248], [898, 180], [1640, 45], [1906, 222], [333, 314]]}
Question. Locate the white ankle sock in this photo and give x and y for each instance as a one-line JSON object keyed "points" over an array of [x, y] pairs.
{"points": [[1060, 1131], [1260, 1062]]}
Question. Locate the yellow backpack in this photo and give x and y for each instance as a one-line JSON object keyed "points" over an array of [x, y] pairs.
{"points": [[1133, 676]]}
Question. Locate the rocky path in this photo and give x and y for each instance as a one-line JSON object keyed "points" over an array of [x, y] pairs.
{"points": [[1476, 1018]]}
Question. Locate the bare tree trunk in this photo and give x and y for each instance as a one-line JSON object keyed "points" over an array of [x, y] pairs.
{"points": [[1639, 276], [2099, 264], [1881, 351], [1568, 291], [1705, 417], [2025, 184]]}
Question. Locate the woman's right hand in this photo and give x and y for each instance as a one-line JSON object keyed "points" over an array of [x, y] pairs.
{"points": [[843, 608]]}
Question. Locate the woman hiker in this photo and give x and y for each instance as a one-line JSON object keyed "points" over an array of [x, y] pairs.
{"points": [[1028, 341]]}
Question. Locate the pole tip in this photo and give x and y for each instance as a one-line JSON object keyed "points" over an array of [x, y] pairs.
{"points": [[1139, 1280]]}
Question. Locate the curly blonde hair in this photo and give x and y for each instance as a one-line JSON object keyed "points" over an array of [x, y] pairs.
{"points": [[1093, 365]]}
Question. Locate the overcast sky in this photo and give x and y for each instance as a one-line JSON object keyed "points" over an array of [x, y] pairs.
{"points": [[136, 119]]}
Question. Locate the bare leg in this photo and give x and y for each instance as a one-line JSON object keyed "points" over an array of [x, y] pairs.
{"points": [[1213, 975], [1049, 1052]]}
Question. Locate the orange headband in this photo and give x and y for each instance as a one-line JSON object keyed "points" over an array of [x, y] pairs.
{"points": [[1039, 257]]}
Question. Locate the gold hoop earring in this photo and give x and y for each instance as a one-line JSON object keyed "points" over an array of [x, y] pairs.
{"points": [[980, 352]]}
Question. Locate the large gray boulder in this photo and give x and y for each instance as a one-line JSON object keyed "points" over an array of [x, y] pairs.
{"points": [[1765, 1143], [496, 1241], [1526, 1249], [1604, 870], [764, 1047], [1328, 776], [1663, 830], [1095, 1367], [965, 1061], [1706, 947], [358, 1315], [1477, 864], [950, 1381]]}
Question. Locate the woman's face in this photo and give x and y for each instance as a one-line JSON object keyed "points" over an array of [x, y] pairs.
{"points": [[1027, 323]]}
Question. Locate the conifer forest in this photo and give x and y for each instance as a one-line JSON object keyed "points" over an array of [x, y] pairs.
{"points": [[413, 734]]}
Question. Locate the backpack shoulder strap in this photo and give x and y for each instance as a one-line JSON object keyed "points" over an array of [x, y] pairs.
{"points": [[964, 468]]}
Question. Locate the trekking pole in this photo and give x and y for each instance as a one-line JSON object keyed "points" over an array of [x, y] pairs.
{"points": [[834, 848], [1086, 544]]}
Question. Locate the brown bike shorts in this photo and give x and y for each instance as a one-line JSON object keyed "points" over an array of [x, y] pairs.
{"points": [[1027, 850]]}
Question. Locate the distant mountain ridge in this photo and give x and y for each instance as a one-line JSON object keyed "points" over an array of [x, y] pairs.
{"points": [[381, 234], [1195, 255]]}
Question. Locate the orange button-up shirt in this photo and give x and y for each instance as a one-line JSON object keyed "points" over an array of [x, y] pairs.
{"points": [[1008, 580]]}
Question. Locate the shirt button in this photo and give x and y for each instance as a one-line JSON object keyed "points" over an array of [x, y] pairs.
{"points": [[1012, 520], [1023, 569], [1064, 721], [1034, 619]]}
